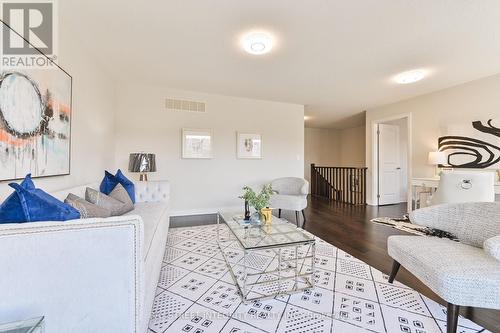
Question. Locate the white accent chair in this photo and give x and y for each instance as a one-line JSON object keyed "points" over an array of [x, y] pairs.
{"points": [[291, 195], [465, 186], [464, 273]]}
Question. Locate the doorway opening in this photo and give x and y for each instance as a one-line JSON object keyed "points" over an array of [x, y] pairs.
{"points": [[392, 147]]}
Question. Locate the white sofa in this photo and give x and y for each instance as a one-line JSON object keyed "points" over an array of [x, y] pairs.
{"points": [[89, 275]]}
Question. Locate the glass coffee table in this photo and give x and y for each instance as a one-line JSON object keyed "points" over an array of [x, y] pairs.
{"points": [[266, 260]]}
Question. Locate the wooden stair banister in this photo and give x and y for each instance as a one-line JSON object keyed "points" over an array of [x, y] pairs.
{"points": [[342, 184]]}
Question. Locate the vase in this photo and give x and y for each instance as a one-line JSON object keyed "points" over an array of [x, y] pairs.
{"points": [[267, 215], [247, 211], [256, 218]]}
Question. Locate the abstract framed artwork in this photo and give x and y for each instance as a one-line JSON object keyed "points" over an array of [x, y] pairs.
{"points": [[35, 122], [197, 143], [249, 146], [473, 145]]}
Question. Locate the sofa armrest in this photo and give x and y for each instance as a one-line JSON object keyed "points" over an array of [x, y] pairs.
{"points": [[492, 247], [152, 191], [82, 275]]}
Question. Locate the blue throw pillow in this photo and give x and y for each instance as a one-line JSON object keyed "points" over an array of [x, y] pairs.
{"points": [[129, 186], [110, 181], [11, 210], [29, 204], [27, 182], [38, 205]]}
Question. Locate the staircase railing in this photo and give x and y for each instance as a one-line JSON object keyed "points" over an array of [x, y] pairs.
{"points": [[342, 184]]}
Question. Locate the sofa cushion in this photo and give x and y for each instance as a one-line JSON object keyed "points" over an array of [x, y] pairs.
{"points": [[110, 181], [86, 209], [461, 274], [152, 214], [102, 200]]}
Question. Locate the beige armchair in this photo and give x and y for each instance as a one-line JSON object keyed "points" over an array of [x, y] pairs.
{"points": [[464, 273]]}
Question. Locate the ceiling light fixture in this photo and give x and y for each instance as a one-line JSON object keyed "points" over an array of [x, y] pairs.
{"points": [[410, 76], [257, 43]]}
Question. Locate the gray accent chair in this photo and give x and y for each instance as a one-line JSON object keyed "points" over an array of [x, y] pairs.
{"points": [[464, 273], [291, 194]]}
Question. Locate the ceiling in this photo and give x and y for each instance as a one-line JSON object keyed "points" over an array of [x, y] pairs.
{"points": [[335, 57]]}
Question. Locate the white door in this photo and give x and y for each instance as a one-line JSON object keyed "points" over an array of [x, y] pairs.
{"points": [[389, 167]]}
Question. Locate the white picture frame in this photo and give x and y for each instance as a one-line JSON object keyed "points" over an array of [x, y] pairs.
{"points": [[197, 143], [248, 145]]}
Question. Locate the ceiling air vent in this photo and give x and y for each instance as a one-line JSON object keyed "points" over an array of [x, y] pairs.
{"points": [[183, 105]]}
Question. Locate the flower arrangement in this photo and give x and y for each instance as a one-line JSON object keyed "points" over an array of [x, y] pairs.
{"points": [[258, 201]]}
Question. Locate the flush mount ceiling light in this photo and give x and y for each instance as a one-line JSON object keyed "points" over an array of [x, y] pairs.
{"points": [[257, 43], [410, 76]]}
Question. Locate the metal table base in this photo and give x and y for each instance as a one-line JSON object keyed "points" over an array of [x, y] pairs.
{"points": [[296, 279]]}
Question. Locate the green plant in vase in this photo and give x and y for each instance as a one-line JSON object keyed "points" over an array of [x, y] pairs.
{"points": [[258, 201]]}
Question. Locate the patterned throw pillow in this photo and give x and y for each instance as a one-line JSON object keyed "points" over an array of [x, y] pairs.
{"points": [[102, 200], [120, 193], [86, 209]]}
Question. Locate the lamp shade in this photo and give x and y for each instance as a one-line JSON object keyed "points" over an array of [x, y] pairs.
{"points": [[437, 157], [142, 162]]}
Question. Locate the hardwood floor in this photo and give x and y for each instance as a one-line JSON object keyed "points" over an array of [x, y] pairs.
{"points": [[349, 228]]}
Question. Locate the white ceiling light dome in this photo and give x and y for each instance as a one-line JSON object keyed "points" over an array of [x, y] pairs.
{"points": [[410, 76], [257, 43]]}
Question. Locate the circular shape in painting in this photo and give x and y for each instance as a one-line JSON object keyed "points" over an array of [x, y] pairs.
{"points": [[21, 106]]}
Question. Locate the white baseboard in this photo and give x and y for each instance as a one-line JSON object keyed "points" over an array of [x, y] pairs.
{"points": [[203, 211]]}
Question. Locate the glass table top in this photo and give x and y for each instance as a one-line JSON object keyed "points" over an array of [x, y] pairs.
{"points": [[279, 233]]}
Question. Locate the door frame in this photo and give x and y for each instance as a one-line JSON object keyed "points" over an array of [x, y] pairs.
{"points": [[409, 157]]}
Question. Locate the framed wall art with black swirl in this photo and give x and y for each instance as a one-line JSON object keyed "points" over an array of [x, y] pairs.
{"points": [[474, 145]]}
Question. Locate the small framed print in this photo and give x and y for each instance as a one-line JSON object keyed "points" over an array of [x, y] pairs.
{"points": [[197, 143], [249, 146]]}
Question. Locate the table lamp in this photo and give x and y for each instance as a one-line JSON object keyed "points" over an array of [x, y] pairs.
{"points": [[436, 158], [142, 163]]}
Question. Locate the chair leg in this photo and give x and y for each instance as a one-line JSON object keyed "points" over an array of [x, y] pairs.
{"points": [[297, 218], [304, 216], [279, 213], [452, 318], [395, 269]]}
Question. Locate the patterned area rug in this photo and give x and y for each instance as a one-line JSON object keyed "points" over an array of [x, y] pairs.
{"points": [[196, 294]]}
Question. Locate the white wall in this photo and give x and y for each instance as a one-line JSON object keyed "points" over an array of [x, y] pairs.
{"points": [[352, 147], [198, 186], [431, 113], [321, 147], [334, 147], [92, 128]]}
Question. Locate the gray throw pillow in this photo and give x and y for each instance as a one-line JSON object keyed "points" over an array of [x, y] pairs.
{"points": [[86, 209], [120, 193], [102, 200]]}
